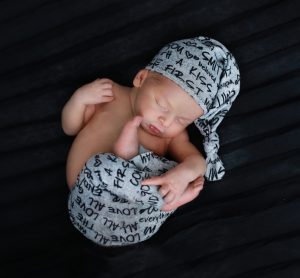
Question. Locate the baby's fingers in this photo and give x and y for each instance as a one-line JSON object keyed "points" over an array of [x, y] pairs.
{"points": [[156, 180], [104, 80], [107, 98], [163, 191], [137, 121], [198, 182], [170, 197], [189, 194], [105, 95], [106, 86]]}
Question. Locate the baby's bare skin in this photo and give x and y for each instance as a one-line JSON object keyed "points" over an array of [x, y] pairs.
{"points": [[127, 146], [153, 114], [100, 133]]}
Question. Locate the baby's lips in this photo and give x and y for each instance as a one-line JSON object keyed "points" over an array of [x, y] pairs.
{"points": [[154, 129]]}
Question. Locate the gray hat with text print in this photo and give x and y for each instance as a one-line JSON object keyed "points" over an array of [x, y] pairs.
{"points": [[208, 72]]}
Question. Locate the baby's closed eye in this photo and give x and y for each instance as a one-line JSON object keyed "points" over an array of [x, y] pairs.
{"points": [[181, 121], [162, 105]]}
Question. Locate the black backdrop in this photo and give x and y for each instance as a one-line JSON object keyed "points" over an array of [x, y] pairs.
{"points": [[246, 225]]}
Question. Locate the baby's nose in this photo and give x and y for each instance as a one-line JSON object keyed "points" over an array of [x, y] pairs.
{"points": [[166, 121]]}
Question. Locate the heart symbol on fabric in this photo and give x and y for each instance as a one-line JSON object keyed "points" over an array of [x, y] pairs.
{"points": [[188, 54], [98, 162]]}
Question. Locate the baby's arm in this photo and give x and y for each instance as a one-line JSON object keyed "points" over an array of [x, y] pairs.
{"points": [[81, 106], [177, 184], [190, 159]]}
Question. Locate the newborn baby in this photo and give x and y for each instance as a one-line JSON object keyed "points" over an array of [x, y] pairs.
{"points": [[188, 81]]}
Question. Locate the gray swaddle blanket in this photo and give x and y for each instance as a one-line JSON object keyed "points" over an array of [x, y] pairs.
{"points": [[108, 204]]}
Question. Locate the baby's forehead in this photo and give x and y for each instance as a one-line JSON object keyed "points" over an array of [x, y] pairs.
{"points": [[158, 79]]}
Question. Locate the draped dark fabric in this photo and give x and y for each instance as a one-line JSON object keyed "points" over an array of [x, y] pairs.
{"points": [[246, 225]]}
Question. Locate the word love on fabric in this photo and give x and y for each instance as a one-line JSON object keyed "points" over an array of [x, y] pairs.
{"points": [[108, 204]]}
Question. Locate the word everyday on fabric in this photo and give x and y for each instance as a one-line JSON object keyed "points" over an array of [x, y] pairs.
{"points": [[110, 206]]}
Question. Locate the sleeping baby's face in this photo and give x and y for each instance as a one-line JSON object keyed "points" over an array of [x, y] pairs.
{"points": [[166, 108]]}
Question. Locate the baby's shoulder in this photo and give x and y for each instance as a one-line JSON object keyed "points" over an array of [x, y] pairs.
{"points": [[116, 111], [121, 101], [120, 91]]}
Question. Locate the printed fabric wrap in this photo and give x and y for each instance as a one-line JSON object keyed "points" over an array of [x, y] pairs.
{"points": [[208, 72], [108, 204]]}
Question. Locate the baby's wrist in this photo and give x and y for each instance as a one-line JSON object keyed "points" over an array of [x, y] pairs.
{"points": [[185, 170], [195, 166]]}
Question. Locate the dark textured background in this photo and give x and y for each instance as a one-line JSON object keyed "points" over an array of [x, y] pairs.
{"points": [[246, 225]]}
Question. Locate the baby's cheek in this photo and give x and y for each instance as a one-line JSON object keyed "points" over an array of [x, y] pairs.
{"points": [[175, 129]]}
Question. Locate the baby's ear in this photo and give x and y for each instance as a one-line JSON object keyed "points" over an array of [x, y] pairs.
{"points": [[140, 78]]}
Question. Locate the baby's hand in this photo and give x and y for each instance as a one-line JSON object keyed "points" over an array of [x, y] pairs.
{"points": [[190, 193], [172, 184], [98, 91]]}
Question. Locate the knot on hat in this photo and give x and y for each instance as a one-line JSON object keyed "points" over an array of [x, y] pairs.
{"points": [[214, 166], [211, 143]]}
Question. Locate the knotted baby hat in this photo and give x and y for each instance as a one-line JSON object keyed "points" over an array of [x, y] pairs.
{"points": [[208, 72]]}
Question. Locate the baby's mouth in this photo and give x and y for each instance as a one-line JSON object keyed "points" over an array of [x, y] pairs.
{"points": [[154, 130]]}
